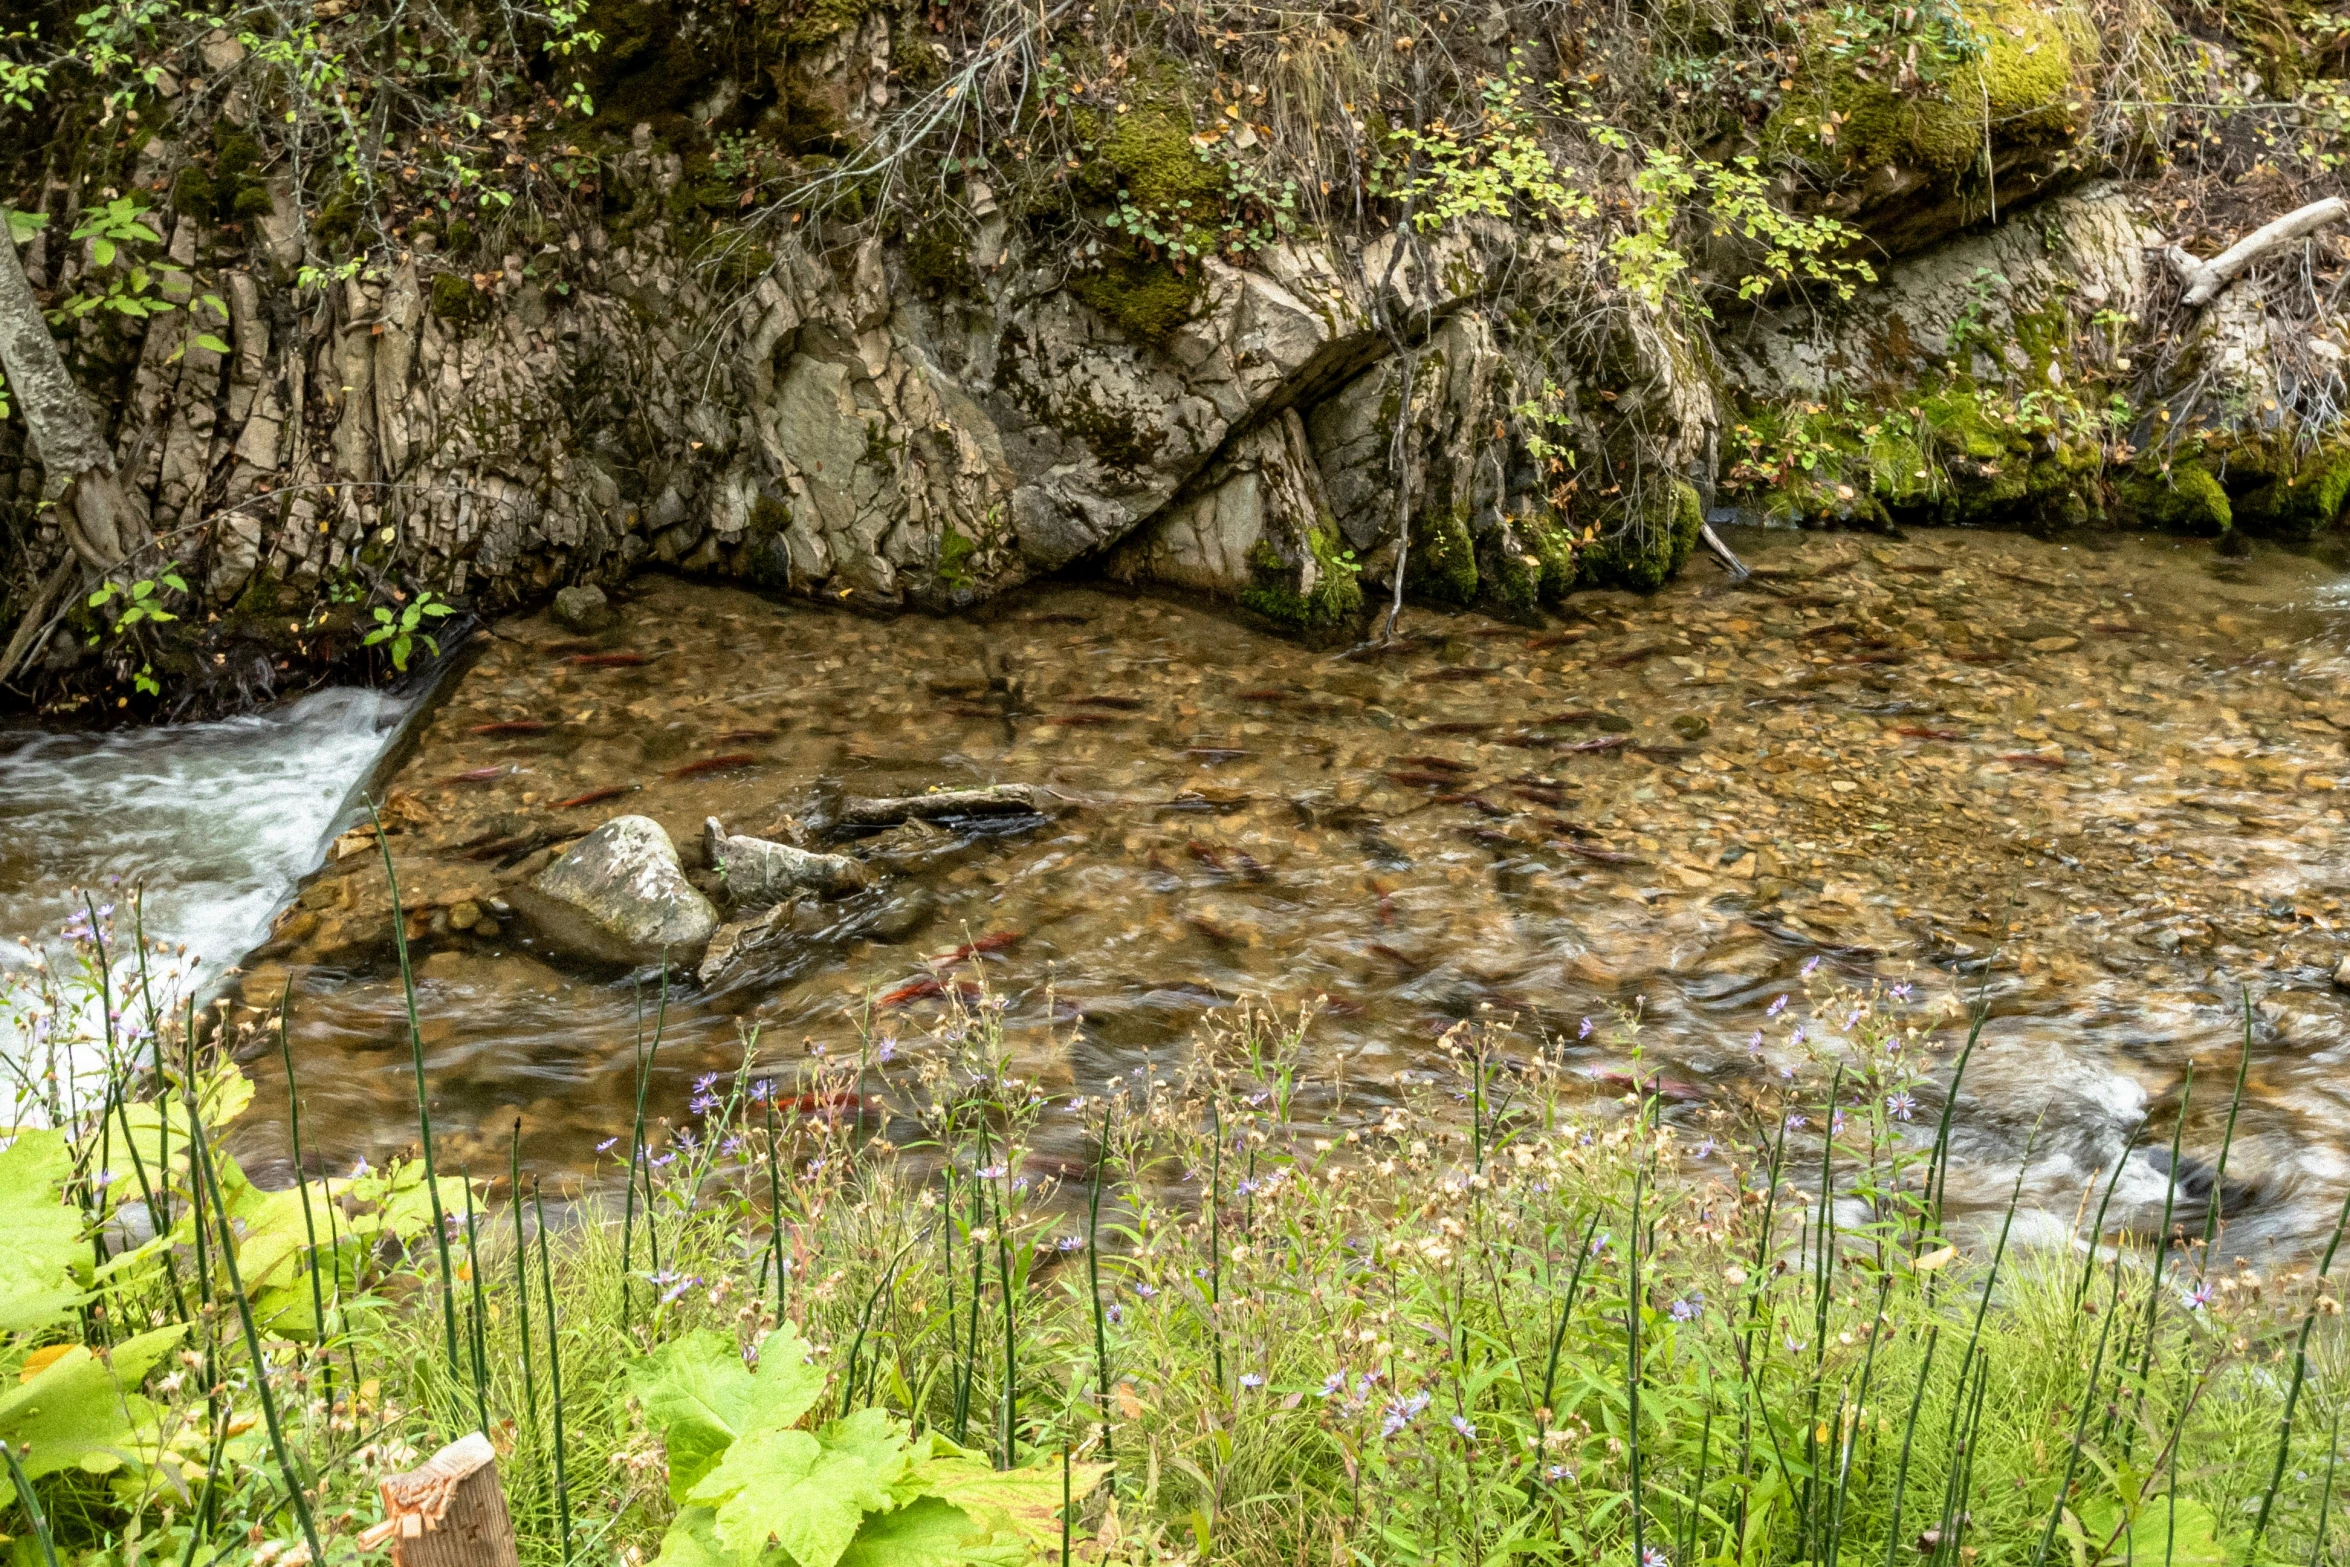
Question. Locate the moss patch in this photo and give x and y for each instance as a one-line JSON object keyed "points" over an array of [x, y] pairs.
{"points": [[454, 298], [1443, 562], [1148, 299], [2302, 500], [1335, 598], [2188, 499], [1643, 550], [2022, 86]]}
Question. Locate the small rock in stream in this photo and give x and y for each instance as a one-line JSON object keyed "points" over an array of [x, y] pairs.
{"points": [[619, 895], [583, 608], [759, 873], [739, 938]]}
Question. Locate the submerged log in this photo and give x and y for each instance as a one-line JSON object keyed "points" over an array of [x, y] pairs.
{"points": [[850, 810]]}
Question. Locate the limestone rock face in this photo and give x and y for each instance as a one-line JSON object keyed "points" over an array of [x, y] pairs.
{"points": [[619, 895]]}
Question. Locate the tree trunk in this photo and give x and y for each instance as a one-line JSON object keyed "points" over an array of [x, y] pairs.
{"points": [[101, 523]]}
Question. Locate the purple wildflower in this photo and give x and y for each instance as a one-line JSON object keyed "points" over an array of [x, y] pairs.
{"points": [[1777, 1006], [1251, 1381], [1901, 1106], [1585, 1031]]}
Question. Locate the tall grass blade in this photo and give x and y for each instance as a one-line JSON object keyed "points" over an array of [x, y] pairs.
{"points": [[432, 1185]]}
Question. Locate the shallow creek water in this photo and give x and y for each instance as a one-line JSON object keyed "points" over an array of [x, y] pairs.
{"points": [[2093, 782]]}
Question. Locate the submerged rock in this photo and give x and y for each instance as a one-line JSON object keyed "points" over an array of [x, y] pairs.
{"points": [[619, 895], [583, 608], [759, 873]]}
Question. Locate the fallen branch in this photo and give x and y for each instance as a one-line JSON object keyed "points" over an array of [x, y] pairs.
{"points": [[2201, 281], [1729, 557]]}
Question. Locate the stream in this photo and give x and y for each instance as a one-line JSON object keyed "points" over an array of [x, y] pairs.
{"points": [[2095, 784]]}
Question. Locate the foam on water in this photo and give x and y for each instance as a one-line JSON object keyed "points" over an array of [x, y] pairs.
{"points": [[218, 820]]}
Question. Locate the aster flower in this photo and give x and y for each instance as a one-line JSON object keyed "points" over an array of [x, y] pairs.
{"points": [[607, 1145], [1810, 966], [1901, 1106], [1652, 1557], [1461, 1424], [1251, 1381], [1333, 1384], [1688, 1309], [1777, 1006], [1585, 1031]]}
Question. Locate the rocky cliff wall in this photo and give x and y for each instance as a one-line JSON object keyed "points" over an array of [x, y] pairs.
{"points": [[922, 399]]}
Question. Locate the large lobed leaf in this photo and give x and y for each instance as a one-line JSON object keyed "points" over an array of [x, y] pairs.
{"points": [[806, 1493], [702, 1396], [40, 1234]]}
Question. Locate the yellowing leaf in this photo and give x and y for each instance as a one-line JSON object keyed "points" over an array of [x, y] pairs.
{"points": [[1028, 1500], [1935, 1259], [1128, 1404], [931, 1532], [41, 1360]]}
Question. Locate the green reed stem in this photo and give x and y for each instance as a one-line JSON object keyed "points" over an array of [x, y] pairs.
{"points": [[1003, 1257], [1909, 1431], [1632, 1360], [2276, 1477], [1558, 1331], [775, 1206], [2227, 1141], [285, 1050], [200, 1144], [636, 1155], [2072, 1460], [2097, 1226], [2325, 1497], [1216, 1235], [530, 1386], [479, 1326], [1093, 1277], [2170, 1192], [432, 1185], [554, 1374], [32, 1504]]}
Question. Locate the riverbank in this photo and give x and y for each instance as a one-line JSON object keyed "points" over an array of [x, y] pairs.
{"points": [[1491, 1315]]}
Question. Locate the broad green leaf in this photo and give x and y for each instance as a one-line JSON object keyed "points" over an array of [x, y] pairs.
{"points": [[1028, 1500], [2192, 1541], [931, 1532], [40, 1235], [80, 1407], [22, 226], [699, 1392], [207, 340], [692, 1541], [806, 1493]]}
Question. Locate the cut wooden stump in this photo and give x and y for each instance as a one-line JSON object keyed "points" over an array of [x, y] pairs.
{"points": [[450, 1512]]}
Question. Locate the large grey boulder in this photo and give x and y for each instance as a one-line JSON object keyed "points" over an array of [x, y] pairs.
{"points": [[620, 896]]}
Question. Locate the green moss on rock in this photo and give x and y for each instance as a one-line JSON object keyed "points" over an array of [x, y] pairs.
{"points": [[454, 297], [1335, 598], [2303, 500], [2187, 499], [2022, 85], [1643, 550], [1442, 565], [1148, 299]]}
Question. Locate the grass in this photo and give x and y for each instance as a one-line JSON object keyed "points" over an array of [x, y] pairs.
{"points": [[1485, 1316]]}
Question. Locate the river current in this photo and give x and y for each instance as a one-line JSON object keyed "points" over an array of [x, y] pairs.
{"points": [[2095, 786]]}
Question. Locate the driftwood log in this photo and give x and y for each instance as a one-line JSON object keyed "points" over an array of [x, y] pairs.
{"points": [[2201, 281], [850, 810], [450, 1512]]}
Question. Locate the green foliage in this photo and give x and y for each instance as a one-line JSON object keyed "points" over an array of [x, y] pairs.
{"points": [[40, 1235], [753, 1484], [402, 628], [697, 1390], [140, 601], [1498, 168]]}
